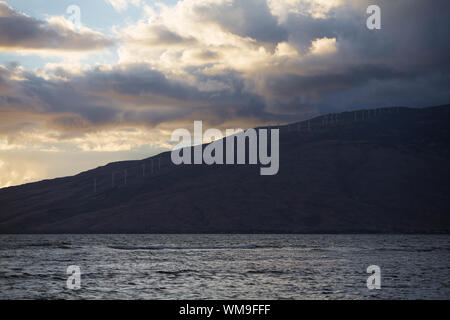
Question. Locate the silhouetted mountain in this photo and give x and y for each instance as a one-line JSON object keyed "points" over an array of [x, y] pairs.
{"points": [[384, 170]]}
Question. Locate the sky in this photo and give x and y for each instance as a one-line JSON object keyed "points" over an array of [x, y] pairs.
{"points": [[112, 85]]}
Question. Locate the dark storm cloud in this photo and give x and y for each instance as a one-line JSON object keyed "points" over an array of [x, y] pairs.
{"points": [[127, 96], [45, 99], [413, 32], [405, 63], [160, 35], [18, 31], [180, 99], [137, 80], [288, 85], [246, 18]]}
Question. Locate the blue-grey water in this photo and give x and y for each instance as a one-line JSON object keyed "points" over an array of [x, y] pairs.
{"points": [[224, 266]]}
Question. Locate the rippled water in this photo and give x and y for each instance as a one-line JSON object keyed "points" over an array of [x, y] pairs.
{"points": [[224, 266]]}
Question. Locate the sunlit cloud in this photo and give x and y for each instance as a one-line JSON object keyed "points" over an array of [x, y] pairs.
{"points": [[324, 46]]}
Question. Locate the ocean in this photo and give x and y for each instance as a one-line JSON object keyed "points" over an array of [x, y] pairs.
{"points": [[224, 266]]}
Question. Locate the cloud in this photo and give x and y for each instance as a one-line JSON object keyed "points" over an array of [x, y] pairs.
{"points": [[317, 9], [244, 18], [39, 110], [21, 32], [122, 5], [231, 63], [156, 35], [323, 46], [236, 34]]}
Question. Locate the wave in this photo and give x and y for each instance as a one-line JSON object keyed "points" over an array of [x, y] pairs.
{"points": [[425, 249], [123, 247], [60, 245], [177, 272], [276, 272]]}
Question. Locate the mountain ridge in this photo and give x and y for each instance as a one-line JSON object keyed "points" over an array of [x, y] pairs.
{"points": [[378, 170]]}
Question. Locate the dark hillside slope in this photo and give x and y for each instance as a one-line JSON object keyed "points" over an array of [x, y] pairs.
{"points": [[384, 170]]}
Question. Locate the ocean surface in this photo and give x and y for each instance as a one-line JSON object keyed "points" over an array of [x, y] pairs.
{"points": [[224, 266]]}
